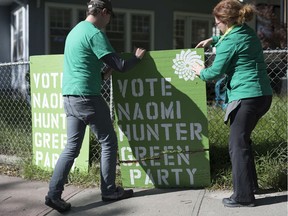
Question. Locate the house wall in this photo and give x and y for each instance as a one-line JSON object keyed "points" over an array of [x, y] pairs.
{"points": [[163, 14], [5, 34], [163, 11]]}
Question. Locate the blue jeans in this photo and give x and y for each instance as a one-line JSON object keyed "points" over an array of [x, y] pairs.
{"points": [[80, 112]]}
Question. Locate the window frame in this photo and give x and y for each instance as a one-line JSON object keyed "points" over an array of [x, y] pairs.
{"points": [[24, 56], [128, 13], [188, 18], [74, 21], [128, 30]]}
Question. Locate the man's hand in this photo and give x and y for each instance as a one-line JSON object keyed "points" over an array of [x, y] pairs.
{"points": [[139, 53], [107, 73]]}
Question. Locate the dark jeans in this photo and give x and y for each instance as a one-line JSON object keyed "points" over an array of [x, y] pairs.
{"points": [[83, 111], [242, 122]]}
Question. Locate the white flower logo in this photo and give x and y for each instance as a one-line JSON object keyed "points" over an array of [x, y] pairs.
{"points": [[183, 62]]}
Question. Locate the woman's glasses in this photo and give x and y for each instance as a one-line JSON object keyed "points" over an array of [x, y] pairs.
{"points": [[217, 23]]}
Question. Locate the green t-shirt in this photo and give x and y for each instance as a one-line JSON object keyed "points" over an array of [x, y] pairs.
{"points": [[84, 46]]}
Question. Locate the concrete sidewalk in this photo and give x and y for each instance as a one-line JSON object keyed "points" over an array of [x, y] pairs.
{"points": [[26, 198]]}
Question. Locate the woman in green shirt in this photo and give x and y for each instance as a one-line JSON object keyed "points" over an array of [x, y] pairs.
{"points": [[239, 56]]}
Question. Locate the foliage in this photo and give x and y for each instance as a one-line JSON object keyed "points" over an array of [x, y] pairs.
{"points": [[272, 168], [272, 33]]}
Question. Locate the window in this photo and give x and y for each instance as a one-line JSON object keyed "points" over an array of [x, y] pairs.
{"points": [[19, 35], [60, 25], [61, 19], [190, 29], [116, 30], [19, 52], [141, 29], [126, 30], [131, 29], [179, 33]]}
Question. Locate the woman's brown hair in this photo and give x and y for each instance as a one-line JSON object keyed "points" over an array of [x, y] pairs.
{"points": [[233, 12]]}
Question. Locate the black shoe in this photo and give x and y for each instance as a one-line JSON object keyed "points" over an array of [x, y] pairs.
{"points": [[119, 194], [58, 204], [229, 202]]}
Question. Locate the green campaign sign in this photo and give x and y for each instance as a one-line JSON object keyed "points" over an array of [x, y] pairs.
{"points": [[48, 116], [161, 116]]}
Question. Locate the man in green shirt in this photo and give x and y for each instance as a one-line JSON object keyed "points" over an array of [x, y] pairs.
{"points": [[87, 53]]}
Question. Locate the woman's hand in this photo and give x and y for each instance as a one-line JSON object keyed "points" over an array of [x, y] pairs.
{"points": [[204, 43], [196, 67]]}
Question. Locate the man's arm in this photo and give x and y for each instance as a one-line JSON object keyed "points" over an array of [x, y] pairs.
{"points": [[118, 64]]}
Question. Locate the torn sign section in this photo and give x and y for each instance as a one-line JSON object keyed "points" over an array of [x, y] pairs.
{"points": [[148, 156], [176, 173], [168, 167]]}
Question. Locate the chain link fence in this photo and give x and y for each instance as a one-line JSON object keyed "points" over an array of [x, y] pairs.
{"points": [[15, 112], [15, 109]]}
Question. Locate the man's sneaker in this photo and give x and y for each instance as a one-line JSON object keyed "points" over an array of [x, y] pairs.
{"points": [[58, 204], [119, 194]]}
